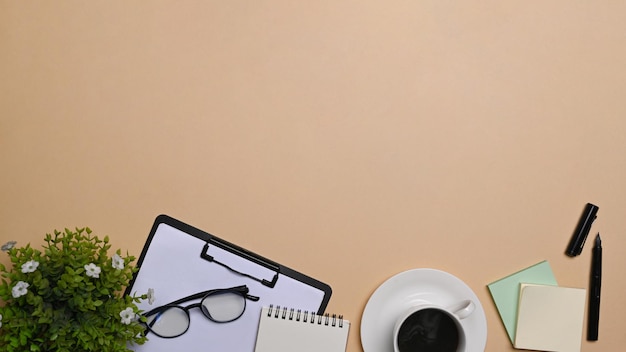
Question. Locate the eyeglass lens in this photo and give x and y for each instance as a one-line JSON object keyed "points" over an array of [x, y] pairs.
{"points": [[223, 307], [219, 306], [172, 322]]}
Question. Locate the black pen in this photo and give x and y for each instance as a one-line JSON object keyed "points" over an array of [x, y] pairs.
{"points": [[593, 317]]}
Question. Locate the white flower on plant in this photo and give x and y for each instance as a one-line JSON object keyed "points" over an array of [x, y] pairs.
{"points": [[20, 289], [30, 266], [117, 262], [0, 320], [7, 246], [150, 296], [92, 270], [127, 315]]}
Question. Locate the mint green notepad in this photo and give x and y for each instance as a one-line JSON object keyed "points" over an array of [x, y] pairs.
{"points": [[505, 292]]}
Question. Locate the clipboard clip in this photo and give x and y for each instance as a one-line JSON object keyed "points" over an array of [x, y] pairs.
{"points": [[247, 255]]}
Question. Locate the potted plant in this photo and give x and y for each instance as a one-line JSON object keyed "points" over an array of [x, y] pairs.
{"points": [[69, 296]]}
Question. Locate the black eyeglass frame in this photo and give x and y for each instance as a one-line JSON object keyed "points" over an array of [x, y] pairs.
{"points": [[241, 290]]}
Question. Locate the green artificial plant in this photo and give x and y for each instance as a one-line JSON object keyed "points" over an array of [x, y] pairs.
{"points": [[68, 297]]}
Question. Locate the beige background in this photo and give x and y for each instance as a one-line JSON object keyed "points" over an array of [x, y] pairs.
{"points": [[350, 140]]}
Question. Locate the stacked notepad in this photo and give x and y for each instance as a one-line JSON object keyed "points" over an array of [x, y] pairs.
{"points": [[537, 313]]}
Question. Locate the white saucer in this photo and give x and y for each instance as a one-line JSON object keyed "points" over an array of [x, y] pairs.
{"points": [[406, 289]]}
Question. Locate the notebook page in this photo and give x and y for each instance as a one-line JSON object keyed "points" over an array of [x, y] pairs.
{"points": [[290, 331]]}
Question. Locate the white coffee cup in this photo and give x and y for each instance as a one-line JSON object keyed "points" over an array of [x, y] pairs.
{"points": [[429, 327]]}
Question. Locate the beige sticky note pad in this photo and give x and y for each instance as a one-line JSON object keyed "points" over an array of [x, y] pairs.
{"points": [[550, 318]]}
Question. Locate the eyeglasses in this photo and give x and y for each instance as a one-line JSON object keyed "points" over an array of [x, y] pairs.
{"points": [[218, 305]]}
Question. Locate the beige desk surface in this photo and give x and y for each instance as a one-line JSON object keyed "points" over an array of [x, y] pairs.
{"points": [[350, 140]]}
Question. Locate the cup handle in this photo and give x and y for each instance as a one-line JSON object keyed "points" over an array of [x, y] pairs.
{"points": [[462, 309]]}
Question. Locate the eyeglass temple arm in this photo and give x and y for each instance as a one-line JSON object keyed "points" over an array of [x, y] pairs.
{"points": [[252, 298], [244, 290]]}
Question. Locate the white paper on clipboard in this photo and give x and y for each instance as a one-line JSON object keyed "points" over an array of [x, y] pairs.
{"points": [[171, 265]]}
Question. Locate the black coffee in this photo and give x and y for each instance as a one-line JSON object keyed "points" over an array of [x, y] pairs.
{"points": [[428, 330]]}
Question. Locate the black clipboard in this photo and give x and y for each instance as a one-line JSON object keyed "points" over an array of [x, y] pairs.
{"points": [[179, 260]]}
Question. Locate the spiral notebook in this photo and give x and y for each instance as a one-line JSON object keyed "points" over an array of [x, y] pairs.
{"points": [[289, 329]]}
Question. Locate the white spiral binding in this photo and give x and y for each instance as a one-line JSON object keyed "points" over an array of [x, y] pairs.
{"points": [[305, 317]]}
